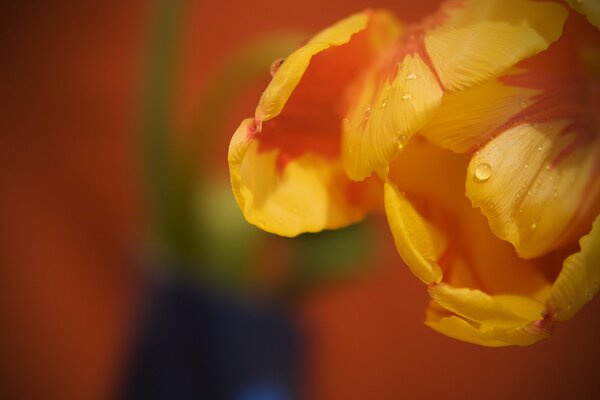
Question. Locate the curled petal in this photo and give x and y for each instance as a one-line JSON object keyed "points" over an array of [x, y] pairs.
{"points": [[537, 186], [523, 333], [295, 65], [579, 279], [284, 164], [387, 114], [308, 195], [417, 241]]}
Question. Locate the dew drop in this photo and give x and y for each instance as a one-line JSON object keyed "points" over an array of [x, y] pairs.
{"points": [[384, 103], [402, 141], [540, 148], [406, 97], [526, 166], [482, 172], [533, 226], [412, 76], [368, 112]]}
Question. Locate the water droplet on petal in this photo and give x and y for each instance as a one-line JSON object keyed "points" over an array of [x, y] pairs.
{"points": [[412, 76], [482, 172], [526, 166], [402, 141], [384, 103], [406, 97], [540, 148], [368, 112], [533, 226]]}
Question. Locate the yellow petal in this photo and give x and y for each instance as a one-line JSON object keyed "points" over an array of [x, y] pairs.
{"points": [[477, 306], [537, 184], [476, 40], [289, 74], [417, 241], [590, 8], [466, 119], [486, 335], [579, 279], [387, 111], [308, 195], [285, 165], [384, 28]]}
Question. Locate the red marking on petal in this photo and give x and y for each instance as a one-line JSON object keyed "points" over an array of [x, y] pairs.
{"points": [[311, 120]]}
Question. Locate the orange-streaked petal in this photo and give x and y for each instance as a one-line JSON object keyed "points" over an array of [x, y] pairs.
{"points": [[590, 8], [459, 47], [538, 186], [537, 177], [387, 111], [466, 119], [579, 279], [417, 241], [285, 167], [295, 65], [308, 195], [450, 51]]}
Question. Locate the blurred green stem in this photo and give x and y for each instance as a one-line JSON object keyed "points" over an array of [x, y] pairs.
{"points": [[156, 113]]}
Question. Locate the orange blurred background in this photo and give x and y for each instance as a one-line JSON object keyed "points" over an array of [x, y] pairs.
{"points": [[73, 220]]}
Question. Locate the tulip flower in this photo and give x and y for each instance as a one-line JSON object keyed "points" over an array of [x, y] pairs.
{"points": [[480, 124]]}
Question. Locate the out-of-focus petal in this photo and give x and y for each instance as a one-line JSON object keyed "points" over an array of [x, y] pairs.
{"points": [[579, 279], [285, 164], [417, 241], [459, 46], [590, 8]]}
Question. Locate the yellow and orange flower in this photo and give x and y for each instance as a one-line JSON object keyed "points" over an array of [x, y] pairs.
{"points": [[499, 99]]}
